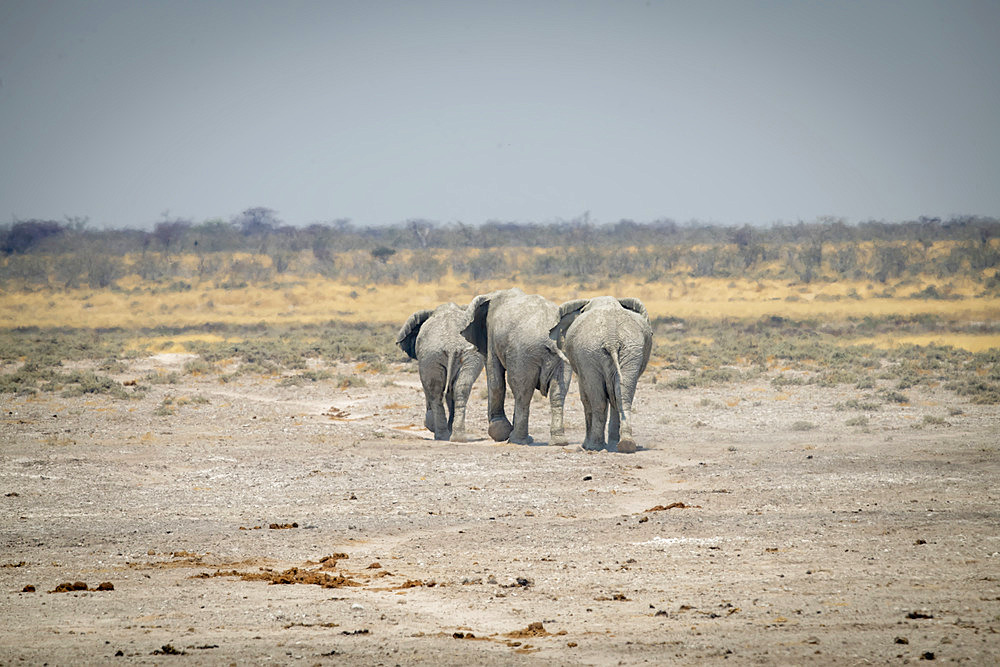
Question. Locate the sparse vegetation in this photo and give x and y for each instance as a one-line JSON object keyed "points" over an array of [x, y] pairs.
{"points": [[791, 305]]}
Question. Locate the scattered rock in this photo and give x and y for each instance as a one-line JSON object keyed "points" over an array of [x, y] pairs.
{"points": [[292, 575], [535, 629], [168, 649], [330, 562], [671, 506], [68, 587], [28, 589]]}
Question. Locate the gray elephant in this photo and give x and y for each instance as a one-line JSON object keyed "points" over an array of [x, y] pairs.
{"points": [[511, 330], [607, 341], [448, 365]]}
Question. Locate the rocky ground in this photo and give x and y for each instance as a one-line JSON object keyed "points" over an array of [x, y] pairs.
{"points": [[251, 522]]}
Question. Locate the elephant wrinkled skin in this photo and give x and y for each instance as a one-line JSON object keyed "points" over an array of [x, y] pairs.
{"points": [[448, 364], [511, 330], [607, 341]]}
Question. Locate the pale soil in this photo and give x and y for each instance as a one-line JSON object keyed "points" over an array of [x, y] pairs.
{"points": [[792, 546]]}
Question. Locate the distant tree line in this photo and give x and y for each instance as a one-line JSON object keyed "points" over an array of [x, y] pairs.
{"points": [[257, 246]]}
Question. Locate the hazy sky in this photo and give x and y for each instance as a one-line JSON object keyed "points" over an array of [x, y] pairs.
{"points": [[538, 110]]}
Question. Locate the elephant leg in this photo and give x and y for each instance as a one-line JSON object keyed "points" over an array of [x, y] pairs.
{"points": [[557, 399], [614, 425], [587, 414], [596, 405], [626, 444], [460, 397], [458, 433], [522, 407], [435, 419], [428, 411], [449, 406], [496, 382]]}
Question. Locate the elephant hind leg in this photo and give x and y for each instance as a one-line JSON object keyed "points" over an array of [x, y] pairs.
{"points": [[522, 407], [435, 418], [496, 384], [596, 408]]}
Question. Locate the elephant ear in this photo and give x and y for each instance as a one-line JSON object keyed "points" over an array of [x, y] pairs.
{"points": [[475, 321], [567, 313], [407, 337], [633, 304]]}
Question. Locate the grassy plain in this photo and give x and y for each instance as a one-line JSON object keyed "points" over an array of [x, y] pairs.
{"points": [[873, 334], [139, 305]]}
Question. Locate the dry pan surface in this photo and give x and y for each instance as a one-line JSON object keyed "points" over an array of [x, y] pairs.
{"points": [[262, 523]]}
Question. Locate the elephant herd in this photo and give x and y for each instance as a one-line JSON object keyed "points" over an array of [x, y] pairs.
{"points": [[527, 342]]}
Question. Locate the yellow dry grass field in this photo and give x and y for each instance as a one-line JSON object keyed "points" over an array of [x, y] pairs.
{"points": [[317, 300]]}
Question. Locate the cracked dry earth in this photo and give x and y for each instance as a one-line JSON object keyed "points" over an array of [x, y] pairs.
{"points": [[313, 524]]}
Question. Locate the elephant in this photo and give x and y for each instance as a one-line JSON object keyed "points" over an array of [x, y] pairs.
{"points": [[607, 342], [511, 330], [448, 364]]}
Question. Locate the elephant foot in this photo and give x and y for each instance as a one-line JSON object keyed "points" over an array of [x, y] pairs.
{"points": [[500, 429], [520, 440], [429, 422], [593, 445], [626, 446], [558, 440], [460, 436], [444, 435]]}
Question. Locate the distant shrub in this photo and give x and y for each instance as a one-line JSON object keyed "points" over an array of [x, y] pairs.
{"points": [[859, 404], [978, 391], [931, 420], [891, 396], [198, 367], [306, 376], [25, 235], [79, 383], [345, 381], [159, 377]]}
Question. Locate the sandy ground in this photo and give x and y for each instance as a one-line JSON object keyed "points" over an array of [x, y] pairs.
{"points": [[754, 526]]}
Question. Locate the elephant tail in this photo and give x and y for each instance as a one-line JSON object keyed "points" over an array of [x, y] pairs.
{"points": [[451, 368], [615, 381]]}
